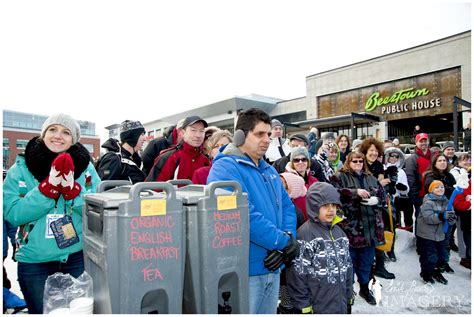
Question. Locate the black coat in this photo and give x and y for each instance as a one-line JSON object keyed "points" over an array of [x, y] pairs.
{"points": [[362, 224], [119, 164], [154, 149]]}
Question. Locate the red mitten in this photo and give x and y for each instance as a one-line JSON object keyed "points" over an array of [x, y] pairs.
{"points": [[50, 187], [69, 188]]}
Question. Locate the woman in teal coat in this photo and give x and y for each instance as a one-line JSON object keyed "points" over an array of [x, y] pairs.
{"points": [[43, 194]]}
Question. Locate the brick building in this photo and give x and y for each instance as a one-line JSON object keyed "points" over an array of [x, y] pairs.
{"points": [[20, 127]]}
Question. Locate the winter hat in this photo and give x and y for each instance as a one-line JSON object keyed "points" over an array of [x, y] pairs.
{"points": [[66, 121], [318, 145], [434, 184], [356, 143], [295, 184], [421, 136], [300, 137], [276, 123], [298, 151], [328, 136], [320, 194], [396, 141], [130, 131], [448, 145]]}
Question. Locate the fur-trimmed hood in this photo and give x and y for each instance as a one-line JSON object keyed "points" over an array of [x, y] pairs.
{"points": [[401, 160]]}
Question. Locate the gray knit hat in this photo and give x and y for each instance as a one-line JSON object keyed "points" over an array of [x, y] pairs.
{"points": [[276, 123], [447, 145], [297, 151], [66, 121]]}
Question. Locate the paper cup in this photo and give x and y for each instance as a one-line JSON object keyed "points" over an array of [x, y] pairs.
{"points": [[82, 305], [60, 311]]}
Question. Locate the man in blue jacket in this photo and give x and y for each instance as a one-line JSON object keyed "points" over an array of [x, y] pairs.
{"points": [[272, 215]]}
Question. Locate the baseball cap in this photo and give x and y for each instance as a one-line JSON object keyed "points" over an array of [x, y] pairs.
{"points": [[421, 136], [192, 120]]}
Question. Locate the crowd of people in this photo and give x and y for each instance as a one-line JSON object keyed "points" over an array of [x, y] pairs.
{"points": [[319, 206]]}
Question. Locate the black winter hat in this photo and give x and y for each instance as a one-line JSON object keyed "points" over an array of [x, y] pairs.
{"points": [[130, 131], [318, 145]]}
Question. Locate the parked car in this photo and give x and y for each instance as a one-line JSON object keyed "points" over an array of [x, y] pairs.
{"points": [[408, 148]]}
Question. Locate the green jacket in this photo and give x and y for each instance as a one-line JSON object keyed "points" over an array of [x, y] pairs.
{"points": [[25, 206]]}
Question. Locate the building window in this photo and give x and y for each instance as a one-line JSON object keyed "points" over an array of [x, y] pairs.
{"points": [[6, 142], [89, 147], [6, 157], [21, 144]]}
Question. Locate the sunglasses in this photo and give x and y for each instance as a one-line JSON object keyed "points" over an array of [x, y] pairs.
{"points": [[394, 155], [357, 161], [298, 160]]}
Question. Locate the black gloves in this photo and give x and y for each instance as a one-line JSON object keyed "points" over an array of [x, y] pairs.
{"points": [[273, 260], [276, 258], [449, 215], [401, 187], [291, 251]]}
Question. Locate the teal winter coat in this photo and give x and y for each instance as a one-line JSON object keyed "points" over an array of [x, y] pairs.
{"points": [[25, 206]]}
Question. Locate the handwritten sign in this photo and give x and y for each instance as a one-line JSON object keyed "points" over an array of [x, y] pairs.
{"points": [[226, 202], [151, 239], [226, 229], [153, 207]]}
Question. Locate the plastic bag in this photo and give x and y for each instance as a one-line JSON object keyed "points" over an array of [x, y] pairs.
{"points": [[60, 289]]}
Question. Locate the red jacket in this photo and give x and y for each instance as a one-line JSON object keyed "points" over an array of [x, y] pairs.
{"points": [[178, 162], [461, 204], [200, 175]]}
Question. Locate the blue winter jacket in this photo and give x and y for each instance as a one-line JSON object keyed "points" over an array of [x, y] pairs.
{"points": [[271, 211]]}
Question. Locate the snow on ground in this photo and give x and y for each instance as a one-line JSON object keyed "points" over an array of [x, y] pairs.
{"points": [[408, 294]]}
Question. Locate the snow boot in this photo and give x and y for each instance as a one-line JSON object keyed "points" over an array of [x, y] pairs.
{"points": [[427, 277], [367, 294], [380, 270], [391, 256], [466, 263], [454, 247], [438, 277], [445, 268]]}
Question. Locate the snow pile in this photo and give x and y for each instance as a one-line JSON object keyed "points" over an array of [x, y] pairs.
{"points": [[408, 294]]}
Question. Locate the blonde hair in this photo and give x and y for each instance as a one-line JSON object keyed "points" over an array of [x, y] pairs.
{"points": [[214, 138]]}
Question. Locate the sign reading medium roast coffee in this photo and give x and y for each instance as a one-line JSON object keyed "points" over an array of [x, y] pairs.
{"points": [[428, 94]]}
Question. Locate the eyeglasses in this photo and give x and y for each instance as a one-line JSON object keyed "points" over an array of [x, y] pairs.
{"points": [[394, 155], [298, 160], [357, 161], [439, 187]]}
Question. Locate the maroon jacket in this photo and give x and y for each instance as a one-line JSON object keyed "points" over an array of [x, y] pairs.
{"points": [[200, 175], [178, 162]]}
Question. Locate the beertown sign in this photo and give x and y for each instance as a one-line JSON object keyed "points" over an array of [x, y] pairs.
{"points": [[416, 96], [395, 104]]}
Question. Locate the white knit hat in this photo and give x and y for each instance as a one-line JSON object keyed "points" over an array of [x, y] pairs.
{"points": [[66, 121]]}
